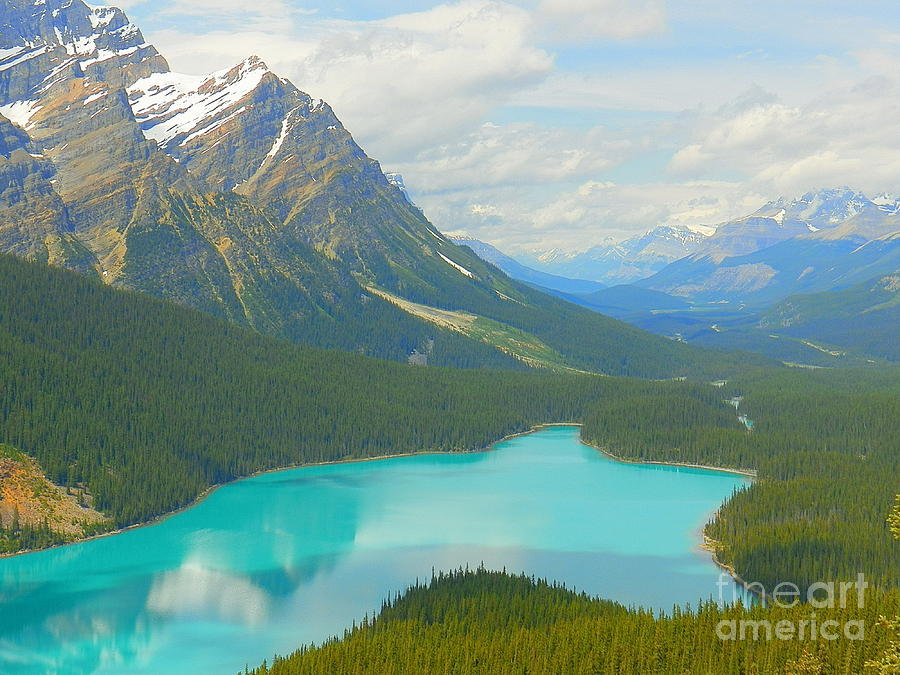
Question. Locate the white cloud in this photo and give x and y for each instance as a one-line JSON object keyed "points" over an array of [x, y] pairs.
{"points": [[121, 4], [572, 20], [844, 136], [516, 154], [519, 220], [217, 8]]}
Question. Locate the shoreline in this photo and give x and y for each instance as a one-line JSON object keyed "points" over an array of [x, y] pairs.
{"points": [[749, 473], [205, 494], [710, 545]]}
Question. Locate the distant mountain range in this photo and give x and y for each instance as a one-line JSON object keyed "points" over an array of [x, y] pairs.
{"points": [[240, 195], [824, 240], [626, 261], [517, 270], [852, 326], [833, 255], [821, 241]]}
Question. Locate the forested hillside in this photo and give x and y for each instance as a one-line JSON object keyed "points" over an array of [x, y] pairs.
{"points": [[490, 622], [147, 404]]}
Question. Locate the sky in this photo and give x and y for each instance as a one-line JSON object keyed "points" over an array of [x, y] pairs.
{"points": [[541, 124]]}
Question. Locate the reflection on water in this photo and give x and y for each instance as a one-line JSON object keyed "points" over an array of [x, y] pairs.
{"points": [[195, 590], [268, 564]]}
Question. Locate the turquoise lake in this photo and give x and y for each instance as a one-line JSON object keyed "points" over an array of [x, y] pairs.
{"points": [[269, 563]]}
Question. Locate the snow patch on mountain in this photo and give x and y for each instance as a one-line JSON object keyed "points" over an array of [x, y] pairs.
{"points": [[704, 230], [285, 130], [20, 112], [107, 54], [16, 56], [170, 105], [101, 17], [887, 202], [95, 97], [457, 266]]}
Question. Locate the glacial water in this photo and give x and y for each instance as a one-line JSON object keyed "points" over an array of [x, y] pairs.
{"points": [[267, 564]]}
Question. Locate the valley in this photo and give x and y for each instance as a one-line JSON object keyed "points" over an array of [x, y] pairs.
{"points": [[808, 282]]}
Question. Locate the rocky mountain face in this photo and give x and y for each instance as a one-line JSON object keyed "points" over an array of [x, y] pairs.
{"points": [[34, 220], [626, 261], [87, 181], [249, 131], [124, 134], [60, 64], [396, 180]]}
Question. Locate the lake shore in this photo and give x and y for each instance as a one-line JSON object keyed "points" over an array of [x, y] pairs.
{"points": [[706, 467], [712, 547], [205, 494]]}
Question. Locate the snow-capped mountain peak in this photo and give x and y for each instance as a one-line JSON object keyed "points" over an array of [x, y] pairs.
{"points": [[234, 126], [623, 261], [814, 211], [831, 206], [887, 202], [171, 106], [46, 46], [553, 255], [683, 234]]}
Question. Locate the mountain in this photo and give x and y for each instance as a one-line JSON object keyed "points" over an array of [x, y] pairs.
{"points": [[627, 261], [853, 326], [625, 301], [783, 219], [822, 241], [396, 180], [621, 301], [90, 191], [849, 327], [517, 270], [34, 220], [862, 318], [240, 195]]}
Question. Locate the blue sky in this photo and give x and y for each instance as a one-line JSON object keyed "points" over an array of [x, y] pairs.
{"points": [[536, 124]]}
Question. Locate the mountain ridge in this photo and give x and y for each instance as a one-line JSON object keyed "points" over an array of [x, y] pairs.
{"points": [[626, 261]]}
